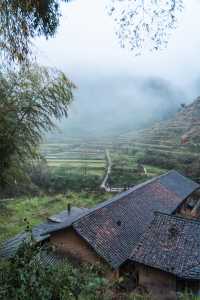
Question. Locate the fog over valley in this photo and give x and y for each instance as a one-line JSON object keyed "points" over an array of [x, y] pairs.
{"points": [[116, 104], [116, 90]]}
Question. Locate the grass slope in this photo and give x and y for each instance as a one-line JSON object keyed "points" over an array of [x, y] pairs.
{"points": [[167, 135], [15, 214]]}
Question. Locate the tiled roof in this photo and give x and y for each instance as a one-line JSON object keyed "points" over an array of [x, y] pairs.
{"points": [[9, 248], [44, 257], [171, 244], [57, 222], [179, 184], [114, 227], [42, 231]]}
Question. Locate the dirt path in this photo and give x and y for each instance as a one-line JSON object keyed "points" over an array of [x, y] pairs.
{"points": [[109, 166], [145, 170], [104, 182]]}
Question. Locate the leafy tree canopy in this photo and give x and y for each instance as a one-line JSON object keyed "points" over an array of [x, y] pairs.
{"points": [[20, 21], [31, 99], [139, 23], [144, 24]]}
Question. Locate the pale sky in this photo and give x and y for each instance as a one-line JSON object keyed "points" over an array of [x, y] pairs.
{"points": [[86, 41], [87, 50]]}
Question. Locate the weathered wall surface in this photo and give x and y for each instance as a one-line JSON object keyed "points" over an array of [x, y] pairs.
{"points": [[69, 243], [160, 284], [191, 206]]}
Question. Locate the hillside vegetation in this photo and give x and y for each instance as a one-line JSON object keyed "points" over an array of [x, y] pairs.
{"points": [[178, 133]]}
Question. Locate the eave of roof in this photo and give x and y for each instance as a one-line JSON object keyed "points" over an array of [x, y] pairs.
{"points": [[41, 232], [175, 259], [98, 226], [124, 194], [61, 221], [78, 215]]}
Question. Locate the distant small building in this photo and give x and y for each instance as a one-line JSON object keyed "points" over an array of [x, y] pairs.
{"points": [[167, 257]]}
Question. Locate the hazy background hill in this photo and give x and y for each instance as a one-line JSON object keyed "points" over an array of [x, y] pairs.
{"points": [[107, 105], [181, 129]]}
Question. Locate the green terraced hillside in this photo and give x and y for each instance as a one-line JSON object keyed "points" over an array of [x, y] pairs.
{"points": [[180, 133]]}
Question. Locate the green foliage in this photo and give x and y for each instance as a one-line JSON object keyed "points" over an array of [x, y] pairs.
{"points": [[125, 178], [24, 278], [62, 181], [125, 172], [35, 210], [188, 164], [142, 25], [188, 296], [155, 159], [139, 297], [31, 98], [20, 21]]}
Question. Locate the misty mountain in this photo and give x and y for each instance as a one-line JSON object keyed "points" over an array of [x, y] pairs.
{"points": [[181, 130], [113, 104]]}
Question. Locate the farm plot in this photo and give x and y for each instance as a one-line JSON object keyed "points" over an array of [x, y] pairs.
{"points": [[92, 167], [126, 171], [89, 159], [76, 158]]}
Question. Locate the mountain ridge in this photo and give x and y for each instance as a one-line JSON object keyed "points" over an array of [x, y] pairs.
{"points": [[182, 129]]}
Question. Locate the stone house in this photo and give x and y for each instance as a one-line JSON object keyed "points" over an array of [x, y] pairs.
{"points": [[167, 257]]}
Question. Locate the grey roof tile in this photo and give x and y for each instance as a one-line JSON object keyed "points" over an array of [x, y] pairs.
{"points": [[114, 227], [171, 244], [179, 184], [42, 231], [9, 248], [57, 222]]}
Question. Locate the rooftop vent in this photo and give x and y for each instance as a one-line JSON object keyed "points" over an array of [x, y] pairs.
{"points": [[69, 208], [119, 223]]}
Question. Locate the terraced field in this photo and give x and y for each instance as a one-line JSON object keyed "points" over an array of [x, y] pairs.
{"points": [[89, 158], [80, 158], [175, 139], [178, 135]]}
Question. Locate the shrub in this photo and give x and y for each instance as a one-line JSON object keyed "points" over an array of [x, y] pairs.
{"points": [[188, 296], [24, 278]]}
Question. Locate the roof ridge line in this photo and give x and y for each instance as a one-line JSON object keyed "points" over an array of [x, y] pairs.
{"points": [[122, 195], [177, 217]]}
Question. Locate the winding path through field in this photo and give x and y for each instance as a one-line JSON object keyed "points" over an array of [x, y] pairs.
{"points": [[104, 182], [109, 166], [104, 185]]}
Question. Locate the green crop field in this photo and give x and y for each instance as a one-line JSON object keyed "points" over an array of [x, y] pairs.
{"points": [[126, 153], [76, 163], [89, 158], [83, 158]]}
